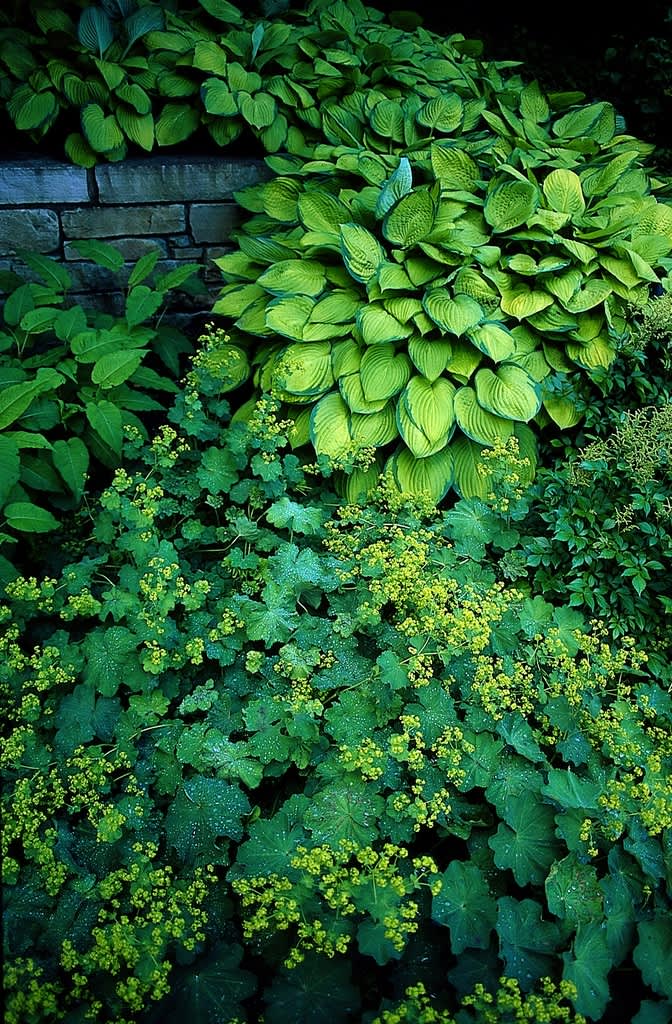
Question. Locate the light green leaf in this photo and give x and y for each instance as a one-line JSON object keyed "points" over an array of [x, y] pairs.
{"points": [[383, 372], [442, 112], [493, 339], [176, 122], [476, 422], [430, 357], [330, 430], [304, 370], [410, 219], [426, 415], [116, 367], [102, 253], [378, 327], [509, 204], [454, 315], [362, 252], [562, 189], [432, 475], [287, 316], [260, 110], [294, 277], [454, 168], [320, 211], [101, 132], [29, 518], [10, 467], [508, 392], [522, 301]]}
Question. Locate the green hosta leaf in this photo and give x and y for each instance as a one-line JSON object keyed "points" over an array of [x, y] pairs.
{"points": [[562, 189], [493, 339], [596, 121], [653, 953], [139, 128], [31, 111], [101, 132], [71, 459], [203, 811], [218, 98], [362, 252], [526, 941], [260, 110], [105, 420], [597, 352], [280, 197], [320, 211], [510, 204], [346, 357], [573, 891], [236, 298], [508, 392], [522, 301], [454, 168], [525, 842], [294, 277], [95, 30], [387, 119], [469, 483], [454, 315], [337, 307], [411, 219], [116, 367], [330, 426], [430, 357], [350, 387], [287, 316], [587, 967], [222, 10], [377, 428], [465, 905], [176, 122], [563, 286], [476, 422], [397, 186], [10, 467], [593, 294], [426, 415], [383, 372], [304, 369], [533, 103], [135, 97], [377, 327], [29, 518], [563, 412], [442, 112], [432, 475]]}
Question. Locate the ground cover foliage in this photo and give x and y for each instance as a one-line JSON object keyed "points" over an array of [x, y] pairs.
{"points": [[304, 720]]}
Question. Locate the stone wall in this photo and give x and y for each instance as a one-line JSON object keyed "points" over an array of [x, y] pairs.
{"points": [[183, 205]]}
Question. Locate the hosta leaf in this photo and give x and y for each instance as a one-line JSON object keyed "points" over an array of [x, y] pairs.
{"points": [[476, 422], [346, 357], [597, 352], [294, 277], [101, 132], [376, 428], [218, 98], [337, 307], [463, 361], [432, 475], [430, 406], [493, 339], [288, 315], [454, 168], [508, 392], [176, 122], [116, 367], [350, 386], [564, 285], [95, 30], [139, 128], [522, 301], [509, 204], [377, 326], [411, 218], [330, 430], [563, 412], [562, 189], [236, 298], [387, 119], [465, 906], [397, 185], [383, 372], [525, 842], [29, 518], [430, 357], [362, 252], [443, 112], [596, 121], [320, 211], [533, 103], [593, 293], [455, 315], [260, 110], [304, 369]]}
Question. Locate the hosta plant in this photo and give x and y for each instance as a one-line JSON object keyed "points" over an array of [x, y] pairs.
{"points": [[72, 380], [440, 299], [267, 754]]}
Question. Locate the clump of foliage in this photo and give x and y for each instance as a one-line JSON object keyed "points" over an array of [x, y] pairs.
{"points": [[73, 379], [267, 753]]}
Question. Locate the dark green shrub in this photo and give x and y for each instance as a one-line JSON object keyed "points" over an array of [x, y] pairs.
{"points": [[73, 380]]}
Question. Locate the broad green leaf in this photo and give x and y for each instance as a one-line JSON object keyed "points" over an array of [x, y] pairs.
{"points": [[203, 811], [280, 197], [653, 953], [523, 301], [234, 299], [304, 369], [493, 340], [596, 121], [318, 991], [533, 103], [40, 320], [387, 119], [509, 204], [344, 810], [288, 316], [397, 186], [573, 891], [597, 352], [259, 110], [337, 307], [465, 906], [15, 399], [29, 518], [563, 412], [69, 323], [101, 132], [378, 327], [362, 252], [330, 430], [54, 274], [383, 372], [476, 422], [215, 990], [426, 415], [102, 253], [10, 467], [508, 392], [410, 219], [562, 189], [320, 211], [430, 357], [116, 367], [139, 128], [217, 472], [71, 459], [432, 475], [526, 941], [593, 294], [350, 386], [442, 112], [376, 428], [469, 482], [95, 30], [455, 315], [218, 98], [454, 168], [176, 122], [105, 420], [141, 303], [587, 967], [294, 277], [525, 841]]}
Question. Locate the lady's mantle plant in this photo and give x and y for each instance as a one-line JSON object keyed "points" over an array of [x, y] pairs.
{"points": [[266, 753]]}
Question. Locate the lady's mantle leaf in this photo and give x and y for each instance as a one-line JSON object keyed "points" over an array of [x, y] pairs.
{"points": [[203, 810], [345, 811], [210, 991], [465, 905], [526, 843], [526, 941]]}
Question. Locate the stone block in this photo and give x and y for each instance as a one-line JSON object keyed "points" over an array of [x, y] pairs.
{"points": [[176, 178], [35, 181], [188, 254], [130, 248], [120, 221], [37, 230], [214, 222]]}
